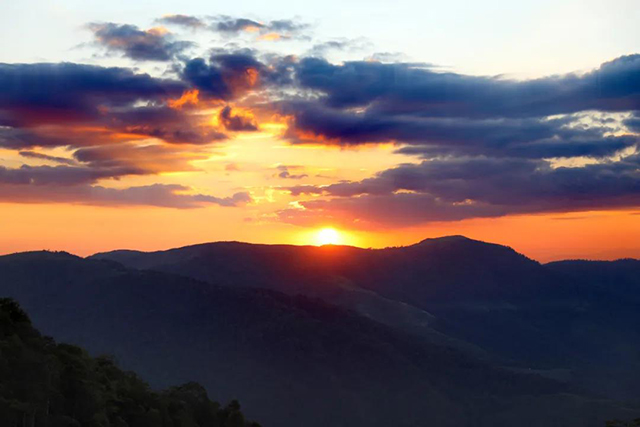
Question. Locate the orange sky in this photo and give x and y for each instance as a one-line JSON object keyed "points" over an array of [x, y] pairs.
{"points": [[207, 142], [250, 162], [84, 230]]}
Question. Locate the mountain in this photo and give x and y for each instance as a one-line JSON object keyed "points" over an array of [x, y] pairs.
{"points": [[573, 321], [619, 278], [446, 269], [45, 383], [292, 360]]}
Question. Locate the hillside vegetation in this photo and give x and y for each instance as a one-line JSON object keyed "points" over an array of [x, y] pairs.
{"points": [[49, 384]]}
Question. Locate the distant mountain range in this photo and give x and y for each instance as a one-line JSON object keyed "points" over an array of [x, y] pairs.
{"points": [[447, 332]]}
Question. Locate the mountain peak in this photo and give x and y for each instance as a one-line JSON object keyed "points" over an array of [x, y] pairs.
{"points": [[452, 238], [42, 255]]}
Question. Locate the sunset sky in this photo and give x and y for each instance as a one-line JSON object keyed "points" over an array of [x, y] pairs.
{"points": [[161, 124]]}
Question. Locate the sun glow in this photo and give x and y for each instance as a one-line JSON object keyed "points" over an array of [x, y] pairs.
{"points": [[328, 236]]}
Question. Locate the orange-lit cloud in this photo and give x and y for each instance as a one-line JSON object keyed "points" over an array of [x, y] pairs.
{"points": [[377, 147], [189, 97], [271, 37], [237, 119]]}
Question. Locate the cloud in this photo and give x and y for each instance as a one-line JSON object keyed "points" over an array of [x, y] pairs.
{"points": [[49, 105], [231, 74], [46, 157], [411, 89], [322, 48], [206, 78], [65, 92], [61, 175], [227, 74], [633, 122], [428, 137], [455, 189], [155, 44], [285, 173], [484, 146], [159, 195], [281, 29], [147, 159], [171, 125], [237, 121], [490, 146], [182, 21], [227, 24], [287, 26]]}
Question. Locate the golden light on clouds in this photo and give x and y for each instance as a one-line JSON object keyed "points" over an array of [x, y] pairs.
{"points": [[188, 97]]}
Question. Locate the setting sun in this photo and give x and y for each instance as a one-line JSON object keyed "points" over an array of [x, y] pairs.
{"points": [[328, 236]]}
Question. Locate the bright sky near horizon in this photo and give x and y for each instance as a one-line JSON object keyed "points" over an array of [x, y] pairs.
{"points": [[389, 122]]}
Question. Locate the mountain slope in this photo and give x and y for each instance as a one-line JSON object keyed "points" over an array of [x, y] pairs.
{"points": [[52, 384], [290, 360], [575, 321]]}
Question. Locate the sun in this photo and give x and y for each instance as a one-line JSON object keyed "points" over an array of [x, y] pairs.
{"points": [[328, 236]]}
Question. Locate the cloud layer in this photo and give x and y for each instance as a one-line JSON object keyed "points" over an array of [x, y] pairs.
{"points": [[481, 146]]}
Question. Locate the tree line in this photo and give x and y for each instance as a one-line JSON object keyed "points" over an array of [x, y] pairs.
{"points": [[49, 384]]}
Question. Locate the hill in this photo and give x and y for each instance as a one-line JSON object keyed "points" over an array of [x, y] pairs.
{"points": [[290, 359], [45, 383], [574, 321]]}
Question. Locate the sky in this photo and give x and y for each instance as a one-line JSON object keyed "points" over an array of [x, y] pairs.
{"points": [[155, 124]]}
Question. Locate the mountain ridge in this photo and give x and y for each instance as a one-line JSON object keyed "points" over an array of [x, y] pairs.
{"points": [[473, 294], [267, 348]]}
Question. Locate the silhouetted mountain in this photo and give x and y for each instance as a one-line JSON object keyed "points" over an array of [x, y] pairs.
{"points": [[60, 385], [290, 359], [449, 268], [483, 298], [619, 278]]}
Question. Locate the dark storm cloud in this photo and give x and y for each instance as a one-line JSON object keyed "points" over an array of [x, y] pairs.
{"points": [[410, 89], [182, 21], [155, 44]]}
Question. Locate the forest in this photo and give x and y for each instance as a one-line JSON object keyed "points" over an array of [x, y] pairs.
{"points": [[49, 384]]}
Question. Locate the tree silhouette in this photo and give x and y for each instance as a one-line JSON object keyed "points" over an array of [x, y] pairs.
{"points": [[45, 384]]}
